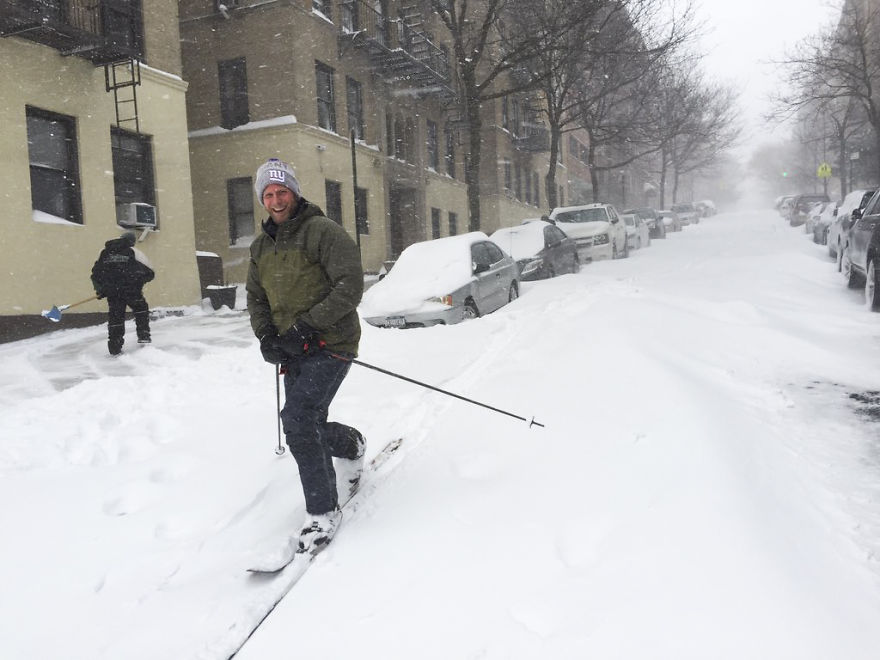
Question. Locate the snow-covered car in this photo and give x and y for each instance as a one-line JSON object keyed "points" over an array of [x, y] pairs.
{"points": [[822, 224], [801, 205], [813, 215], [687, 213], [651, 218], [670, 220], [541, 250], [856, 199], [596, 229], [637, 234], [705, 207], [446, 280]]}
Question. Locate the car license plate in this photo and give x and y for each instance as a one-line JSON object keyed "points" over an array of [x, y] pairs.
{"points": [[396, 321]]}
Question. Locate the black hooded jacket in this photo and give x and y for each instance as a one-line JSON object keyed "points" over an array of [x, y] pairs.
{"points": [[119, 272]]}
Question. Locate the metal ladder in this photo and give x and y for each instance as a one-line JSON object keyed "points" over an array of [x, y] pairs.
{"points": [[122, 78]]}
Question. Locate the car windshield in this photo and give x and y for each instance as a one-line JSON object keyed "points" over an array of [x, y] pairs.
{"points": [[583, 215]]}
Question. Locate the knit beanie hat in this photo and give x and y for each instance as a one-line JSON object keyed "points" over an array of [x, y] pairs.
{"points": [[129, 238], [275, 171]]}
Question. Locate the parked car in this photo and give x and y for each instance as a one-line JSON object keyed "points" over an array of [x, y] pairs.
{"points": [[670, 220], [651, 218], [541, 250], [637, 234], [785, 205], [596, 229], [856, 199], [861, 252], [687, 213], [823, 223], [446, 280], [705, 207], [813, 216], [800, 207]]}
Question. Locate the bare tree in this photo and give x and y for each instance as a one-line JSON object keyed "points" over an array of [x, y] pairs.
{"points": [[840, 65], [484, 51]]}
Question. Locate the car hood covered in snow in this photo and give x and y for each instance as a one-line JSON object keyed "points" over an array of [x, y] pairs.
{"points": [[584, 229]]}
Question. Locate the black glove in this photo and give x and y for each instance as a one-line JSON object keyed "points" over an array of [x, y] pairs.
{"points": [[272, 348], [99, 295], [300, 339]]}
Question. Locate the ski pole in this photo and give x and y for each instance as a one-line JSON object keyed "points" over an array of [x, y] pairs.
{"points": [[279, 450], [531, 422]]}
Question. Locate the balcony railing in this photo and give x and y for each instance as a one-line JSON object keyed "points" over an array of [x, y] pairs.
{"points": [[402, 53], [102, 31]]}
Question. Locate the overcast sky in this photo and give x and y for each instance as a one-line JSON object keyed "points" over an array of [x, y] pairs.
{"points": [[742, 36]]}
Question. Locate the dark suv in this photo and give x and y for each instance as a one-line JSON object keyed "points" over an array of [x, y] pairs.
{"points": [[800, 208], [861, 253]]}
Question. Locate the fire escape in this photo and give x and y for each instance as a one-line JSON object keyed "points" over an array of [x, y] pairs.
{"points": [[399, 48], [108, 33]]}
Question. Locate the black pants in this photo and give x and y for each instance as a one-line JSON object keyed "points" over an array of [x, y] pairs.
{"points": [[309, 386], [116, 318]]}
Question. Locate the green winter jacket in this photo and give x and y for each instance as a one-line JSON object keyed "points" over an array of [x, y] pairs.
{"points": [[310, 271]]}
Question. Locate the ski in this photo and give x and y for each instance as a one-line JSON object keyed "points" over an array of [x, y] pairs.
{"points": [[278, 583]]}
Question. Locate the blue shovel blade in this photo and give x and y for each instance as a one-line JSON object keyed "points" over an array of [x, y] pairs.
{"points": [[53, 314]]}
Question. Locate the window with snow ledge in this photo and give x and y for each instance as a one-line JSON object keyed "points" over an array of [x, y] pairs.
{"points": [[52, 152]]}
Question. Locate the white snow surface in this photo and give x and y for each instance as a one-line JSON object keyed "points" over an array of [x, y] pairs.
{"points": [[703, 487]]}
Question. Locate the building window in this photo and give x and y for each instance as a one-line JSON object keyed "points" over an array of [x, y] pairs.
{"points": [[517, 120], [508, 175], [132, 169], [354, 96], [450, 153], [410, 140], [527, 184], [435, 223], [52, 152], [360, 211], [433, 152], [232, 75], [517, 181], [333, 195], [322, 7], [349, 16], [505, 113], [537, 183], [389, 132], [561, 196], [326, 97], [399, 139], [240, 205], [453, 223]]}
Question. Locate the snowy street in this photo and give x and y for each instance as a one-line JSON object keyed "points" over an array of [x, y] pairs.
{"points": [[707, 484]]}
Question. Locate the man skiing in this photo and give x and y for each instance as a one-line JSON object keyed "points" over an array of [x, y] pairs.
{"points": [[304, 283], [119, 275]]}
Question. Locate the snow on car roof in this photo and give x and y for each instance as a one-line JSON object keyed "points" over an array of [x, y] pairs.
{"points": [[522, 241], [423, 270]]}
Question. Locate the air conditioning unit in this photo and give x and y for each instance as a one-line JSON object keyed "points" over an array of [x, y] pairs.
{"points": [[138, 214]]}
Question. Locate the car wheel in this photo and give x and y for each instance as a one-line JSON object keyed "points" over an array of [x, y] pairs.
{"points": [[575, 264], [625, 249], [470, 310], [514, 292], [872, 286], [838, 257], [849, 273]]}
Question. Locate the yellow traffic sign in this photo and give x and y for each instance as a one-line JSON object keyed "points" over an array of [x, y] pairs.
{"points": [[824, 171]]}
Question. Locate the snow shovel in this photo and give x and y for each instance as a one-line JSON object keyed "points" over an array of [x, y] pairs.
{"points": [[54, 314]]}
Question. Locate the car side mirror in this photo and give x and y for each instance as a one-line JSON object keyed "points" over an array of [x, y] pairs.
{"points": [[480, 268], [856, 215]]}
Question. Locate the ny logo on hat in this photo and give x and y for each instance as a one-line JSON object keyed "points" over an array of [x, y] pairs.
{"points": [[276, 175]]}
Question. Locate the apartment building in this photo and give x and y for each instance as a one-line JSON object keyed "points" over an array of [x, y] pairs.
{"points": [[93, 137], [296, 79]]}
